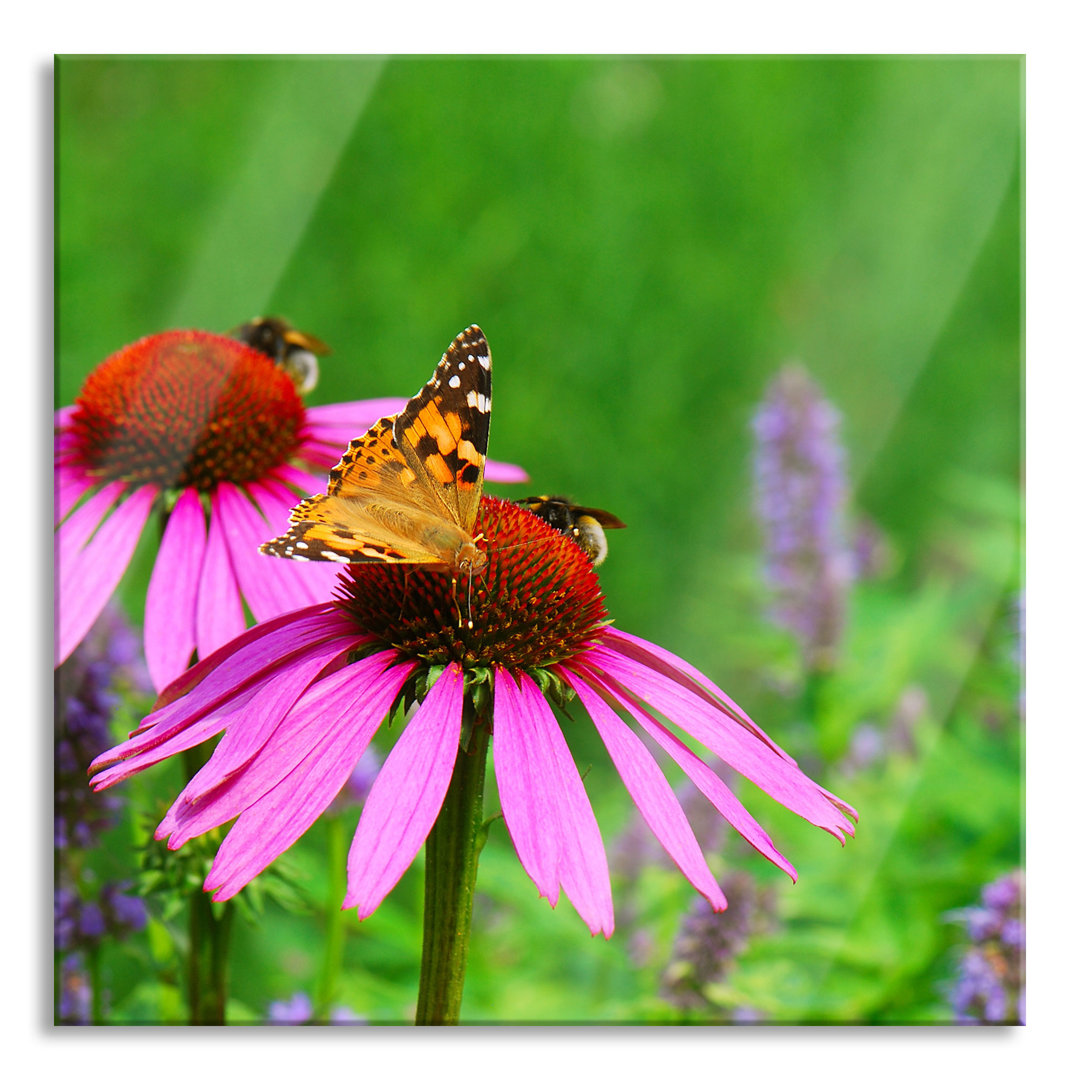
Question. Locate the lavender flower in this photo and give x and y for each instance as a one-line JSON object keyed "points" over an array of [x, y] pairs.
{"points": [[802, 493], [989, 988], [871, 744], [299, 1010], [76, 997], [709, 942], [80, 924], [89, 687]]}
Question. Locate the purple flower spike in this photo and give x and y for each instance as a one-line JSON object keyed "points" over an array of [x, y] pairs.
{"points": [[989, 988], [802, 494]]}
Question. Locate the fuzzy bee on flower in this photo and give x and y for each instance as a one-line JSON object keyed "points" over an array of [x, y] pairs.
{"points": [[583, 524], [294, 351]]}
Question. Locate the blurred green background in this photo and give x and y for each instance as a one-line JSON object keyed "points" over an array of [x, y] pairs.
{"points": [[645, 242]]}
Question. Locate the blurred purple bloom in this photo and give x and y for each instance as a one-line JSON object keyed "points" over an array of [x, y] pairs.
{"points": [[88, 689], [871, 744], [299, 1010], [75, 995], [802, 495], [989, 987], [709, 943]]}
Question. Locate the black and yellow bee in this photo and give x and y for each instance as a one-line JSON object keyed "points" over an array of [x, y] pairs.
{"points": [[583, 524], [292, 350]]}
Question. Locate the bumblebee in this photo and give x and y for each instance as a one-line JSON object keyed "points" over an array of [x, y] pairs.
{"points": [[292, 350], [583, 524]]}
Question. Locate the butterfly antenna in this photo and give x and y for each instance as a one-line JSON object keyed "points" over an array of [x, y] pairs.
{"points": [[468, 600], [457, 606]]}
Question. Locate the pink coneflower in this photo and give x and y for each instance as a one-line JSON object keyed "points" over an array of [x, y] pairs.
{"points": [[300, 697], [207, 434]]}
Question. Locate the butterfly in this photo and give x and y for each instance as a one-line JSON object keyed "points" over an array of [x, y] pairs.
{"points": [[292, 350], [584, 525], [408, 491]]}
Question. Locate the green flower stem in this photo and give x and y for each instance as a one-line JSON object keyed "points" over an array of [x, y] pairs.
{"points": [[334, 951], [208, 939], [451, 856], [207, 959]]}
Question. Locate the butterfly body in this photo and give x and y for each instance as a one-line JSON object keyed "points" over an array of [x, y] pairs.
{"points": [[408, 490]]}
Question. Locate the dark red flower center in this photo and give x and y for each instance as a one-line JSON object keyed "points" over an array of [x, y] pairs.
{"points": [[186, 409], [537, 600]]}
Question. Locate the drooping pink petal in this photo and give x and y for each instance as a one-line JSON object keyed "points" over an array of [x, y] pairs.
{"points": [[246, 737], [726, 738], [407, 795], [305, 482], [296, 775], [688, 676], [219, 614], [583, 869], [526, 786], [87, 577], [188, 680], [70, 484], [169, 629], [353, 416], [290, 584], [650, 790], [502, 472], [703, 778], [227, 681], [74, 534]]}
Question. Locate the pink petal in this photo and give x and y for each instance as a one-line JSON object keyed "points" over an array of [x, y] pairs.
{"points": [[354, 416], [89, 576], [186, 682], [169, 629], [704, 779], [305, 482], [74, 534], [526, 785], [270, 586], [70, 484], [407, 795], [226, 681], [302, 766], [294, 584], [685, 674], [501, 472], [583, 869], [650, 791], [247, 735], [219, 615], [730, 741]]}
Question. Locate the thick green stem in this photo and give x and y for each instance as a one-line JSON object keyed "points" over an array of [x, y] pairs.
{"points": [[334, 951], [208, 939], [207, 960], [451, 856]]}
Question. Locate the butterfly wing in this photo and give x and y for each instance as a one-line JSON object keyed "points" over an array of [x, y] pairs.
{"points": [[442, 433], [372, 506], [408, 490], [330, 528]]}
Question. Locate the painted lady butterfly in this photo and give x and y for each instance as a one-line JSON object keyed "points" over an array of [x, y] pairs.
{"points": [[408, 491], [584, 525]]}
